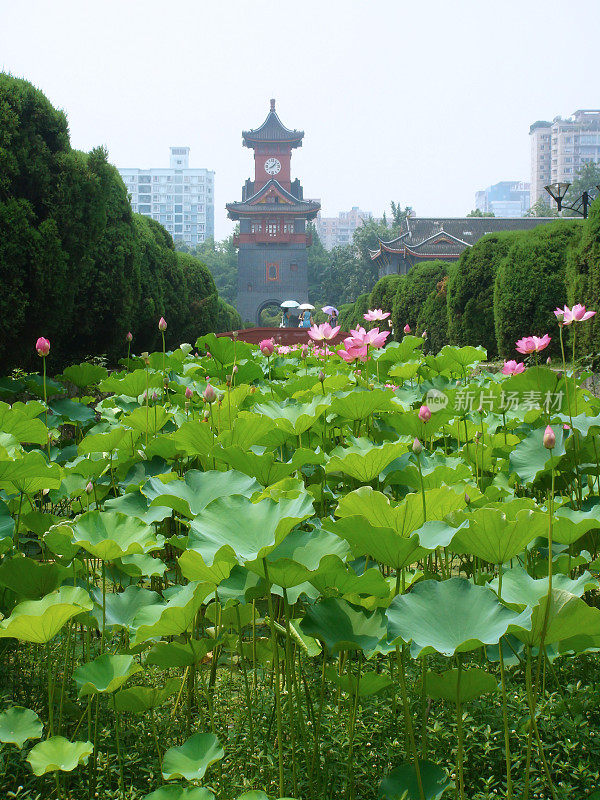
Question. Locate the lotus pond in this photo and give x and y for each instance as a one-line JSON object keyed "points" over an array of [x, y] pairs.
{"points": [[233, 574]]}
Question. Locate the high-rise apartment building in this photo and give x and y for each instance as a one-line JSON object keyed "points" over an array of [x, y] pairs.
{"points": [[181, 197], [504, 199], [562, 147], [338, 231]]}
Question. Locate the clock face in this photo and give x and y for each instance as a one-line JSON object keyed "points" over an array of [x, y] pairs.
{"points": [[272, 166]]}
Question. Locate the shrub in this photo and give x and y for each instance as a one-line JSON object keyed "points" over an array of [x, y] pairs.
{"points": [[433, 316], [412, 291], [471, 292], [384, 292], [530, 283], [351, 314], [583, 281], [228, 318]]}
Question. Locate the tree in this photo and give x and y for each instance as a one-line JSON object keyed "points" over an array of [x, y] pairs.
{"points": [[583, 282], [530, 284], [412, 292], [433, 316], [319, 264], [477, 212], [541, 209], [586, 178]]}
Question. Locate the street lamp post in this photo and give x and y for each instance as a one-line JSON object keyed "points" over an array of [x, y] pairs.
{"points": [[557, 192]]}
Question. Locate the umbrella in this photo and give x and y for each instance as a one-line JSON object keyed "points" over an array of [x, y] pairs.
{"points": [[289, 304], [331, 310], [307, 307]]}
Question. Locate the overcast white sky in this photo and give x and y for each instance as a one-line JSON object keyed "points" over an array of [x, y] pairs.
{"points": [[420, 102]]}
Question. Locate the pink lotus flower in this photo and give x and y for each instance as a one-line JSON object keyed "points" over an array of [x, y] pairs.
{"points": [[162, 324], [361, 338], [376, 315], [353, 353], [407, 328], [188, 393], [566, 315], [549, 439], [323, 333], [424, 413], [533, 344], [129, 337], [513, 367], [266, 347], [391, 386], [209, 394], [42, 346], [283, 350]]}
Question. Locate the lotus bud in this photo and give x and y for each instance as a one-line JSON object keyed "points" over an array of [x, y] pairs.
{"points": [[234, 335], [220, 397], [467, 499], [417, 447], [186, 406], [162, 324], [208, 354], [166, 382], [321, 376], [424, 413], [266, 347], [304, 351], [154, 396], [129, 337], [480, 409], [206, 414], [424, 335], [209, 394], [234, 369], [188, 393], [549, 438], [228, 381], [42, 346], [548, 361], [89, 487], [407, 328]]}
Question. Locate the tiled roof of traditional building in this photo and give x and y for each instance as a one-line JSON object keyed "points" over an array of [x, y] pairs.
{"points": [[272, 198], [448, 236], [272, 130]]}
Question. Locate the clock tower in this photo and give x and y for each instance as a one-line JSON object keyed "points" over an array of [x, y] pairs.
{"points": [[272, 242]]}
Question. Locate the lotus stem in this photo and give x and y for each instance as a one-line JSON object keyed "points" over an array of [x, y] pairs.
{"points": [[459, 731], [245, 675], [277, 679]]}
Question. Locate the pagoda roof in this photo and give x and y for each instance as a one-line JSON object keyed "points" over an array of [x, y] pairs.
{"points": [[272, 130], [447, 237], [272, 198]]}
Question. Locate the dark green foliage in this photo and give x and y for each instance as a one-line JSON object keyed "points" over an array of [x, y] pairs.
{"points": [[530, 283], [412, 291], [471, 292], [583, 281], [351, 314], [384, 292], [221, 260], [76, 265], [433, 316], [228, 318]]}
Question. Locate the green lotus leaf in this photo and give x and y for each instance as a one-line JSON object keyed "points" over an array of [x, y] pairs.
{"points": [[105, 442], [568, 616], [38, 621], [171, 618], [58, 541], [235, 530], [194, 438], [83, 375], [570, 525], [401, 783], [122, 608], [180, 654], [198, 489], [249, 429], [22, 427], [29, 474], [131, 384], [262, 466], [239, 586], [292, 417], [436, 470], [342, 626], [152, 422], [370, 683], [141, 565], [530, 458], [58, 754], [70, 411], [363, 460], [223, 349], [490, 535], [334, 577], [7, 523], [18, 724], [473, 683], [109, 534], [463, 358], [173, 791], [140, 699], [31, 579], [135, 504], [359, 404], [519, 589], [105, 674], [450, 617], [192, 759], [299, 556], [382, 544]]}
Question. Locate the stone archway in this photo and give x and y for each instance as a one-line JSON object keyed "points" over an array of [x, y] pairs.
{"points": [[263, 305]]}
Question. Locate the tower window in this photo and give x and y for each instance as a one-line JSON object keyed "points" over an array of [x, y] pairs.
{"points": [[293, 267], [272, 272]]}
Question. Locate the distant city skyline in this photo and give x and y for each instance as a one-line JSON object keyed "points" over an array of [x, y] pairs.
{"points": [[428, 129]]}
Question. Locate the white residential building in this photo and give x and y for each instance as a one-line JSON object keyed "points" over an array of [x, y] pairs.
{"points": [[181, 198], [339, 231]]}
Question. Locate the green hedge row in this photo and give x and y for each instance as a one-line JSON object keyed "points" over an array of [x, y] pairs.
{"points": [[76, 265]]}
